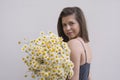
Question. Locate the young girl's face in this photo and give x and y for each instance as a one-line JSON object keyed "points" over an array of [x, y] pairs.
{"points": [[71, 26]]}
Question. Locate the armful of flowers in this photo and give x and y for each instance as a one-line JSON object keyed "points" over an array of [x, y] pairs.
{"points": [[48, 57]]}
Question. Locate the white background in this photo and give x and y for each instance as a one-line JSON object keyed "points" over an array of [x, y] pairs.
{"points": [[26, 18]]}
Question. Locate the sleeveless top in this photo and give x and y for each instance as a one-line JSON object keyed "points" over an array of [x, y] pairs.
{"points": [[84, 69]]}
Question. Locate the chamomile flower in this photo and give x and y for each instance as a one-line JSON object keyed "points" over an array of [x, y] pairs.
{"points": [[48, 57]]}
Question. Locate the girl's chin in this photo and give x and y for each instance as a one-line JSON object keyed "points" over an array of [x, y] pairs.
{"points": [[72, 37]]}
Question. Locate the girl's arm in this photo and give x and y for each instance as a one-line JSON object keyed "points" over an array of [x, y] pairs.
{"points": [[90, 76], [75, 48]]}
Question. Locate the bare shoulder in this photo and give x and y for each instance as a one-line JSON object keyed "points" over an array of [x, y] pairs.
{"points": [[74, 43]]}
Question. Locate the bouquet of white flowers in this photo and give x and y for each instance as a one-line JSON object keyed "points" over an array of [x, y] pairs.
{"points": [[48, 57]]}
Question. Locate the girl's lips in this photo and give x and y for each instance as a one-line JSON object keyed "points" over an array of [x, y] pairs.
{"points": [[69, 33]]}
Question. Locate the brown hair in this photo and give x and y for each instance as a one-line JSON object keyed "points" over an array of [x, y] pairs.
{"points": [[79, 17]]}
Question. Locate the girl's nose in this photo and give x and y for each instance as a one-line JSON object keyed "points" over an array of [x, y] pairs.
{"points": [[68, 27]]}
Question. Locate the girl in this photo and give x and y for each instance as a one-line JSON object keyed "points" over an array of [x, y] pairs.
{"points": [[72, 28]]}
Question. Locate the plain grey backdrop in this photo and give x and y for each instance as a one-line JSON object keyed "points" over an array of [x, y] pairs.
{"points": [[21, 19]]}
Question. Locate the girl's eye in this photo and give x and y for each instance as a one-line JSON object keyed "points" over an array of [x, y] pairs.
{"points": [[71, 23], [64, 25]]}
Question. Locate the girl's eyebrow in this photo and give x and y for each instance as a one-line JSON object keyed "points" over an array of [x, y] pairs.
{"points": [[71, 22]]}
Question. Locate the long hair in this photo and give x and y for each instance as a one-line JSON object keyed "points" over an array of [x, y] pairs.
{"points": [[79, 17]]}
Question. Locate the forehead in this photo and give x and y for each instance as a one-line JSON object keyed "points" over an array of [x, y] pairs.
{"points": [[68, 18]]}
